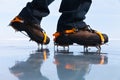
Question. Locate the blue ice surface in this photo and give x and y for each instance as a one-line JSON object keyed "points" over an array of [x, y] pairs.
{"points": [[20, 60]]}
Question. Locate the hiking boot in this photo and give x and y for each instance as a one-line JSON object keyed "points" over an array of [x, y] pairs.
{"points": [[34, 31], [85, 36]]}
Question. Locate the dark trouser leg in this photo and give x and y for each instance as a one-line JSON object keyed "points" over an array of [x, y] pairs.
{"points": [[35, 10], [73, 14]]}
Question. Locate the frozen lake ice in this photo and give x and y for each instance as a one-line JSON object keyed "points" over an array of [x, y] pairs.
{"points": [[20, 60]]}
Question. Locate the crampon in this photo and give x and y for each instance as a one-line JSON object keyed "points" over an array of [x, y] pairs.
{"points": [[33, 31], [86, 37]]}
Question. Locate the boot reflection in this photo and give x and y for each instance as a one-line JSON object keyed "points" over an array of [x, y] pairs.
{"points": [[72, 67], [30, 69]]}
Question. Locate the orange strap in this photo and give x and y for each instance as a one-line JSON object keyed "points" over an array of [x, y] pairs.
{"points": [[70, 31], [56, 34], [101, 37], [17, 20], [66, 31], [45, 37]]}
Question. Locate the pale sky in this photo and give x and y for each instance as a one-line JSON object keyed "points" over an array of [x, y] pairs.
{"points": [[104, 16]]}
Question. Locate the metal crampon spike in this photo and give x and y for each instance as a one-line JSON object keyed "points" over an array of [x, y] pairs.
{"points": [[40, 47], [16, 31], [65, 47], [98, 47], [24, 34], [85, 48], [30, 39]]}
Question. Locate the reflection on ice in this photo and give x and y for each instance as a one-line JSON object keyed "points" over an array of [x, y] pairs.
{"points": [[68, 66], [30, 69], [72, 67]]}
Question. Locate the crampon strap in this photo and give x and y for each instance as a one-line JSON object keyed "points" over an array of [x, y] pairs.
{"points": [[45, 37], [66, 32], [101, 37], [70, 31], [17, 19]]}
